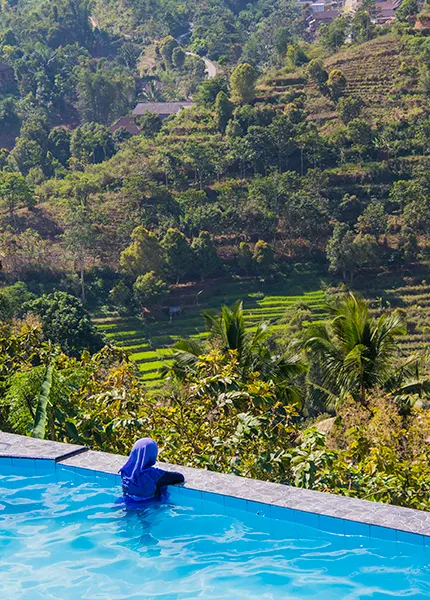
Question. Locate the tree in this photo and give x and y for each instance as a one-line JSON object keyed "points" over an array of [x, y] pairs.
{"points": [[408, 10], [349, 108], [120, 296], [333, 36], [316, 72], [149, 290], [348, 253], [150, 124], [167, 46], [210, 88], [144, 253], [260, 147], [92, 143], [177, 253], [223, 111], [65, 322], [59, 144], [355, 352], [178, 58], [366, 250], [120, 136], [151, 92], [360, 135], [296, 56], [205, 256], [26, 155], [373, 220], [244, 257], [336, 83], [416, 214], [233, 129], [201, 159], [104, 93], [12, 299], [79, 238], [263, 257], [14, 192], [242, 82], [363, 23], [340, 251], [408, 244], [282, 40]]}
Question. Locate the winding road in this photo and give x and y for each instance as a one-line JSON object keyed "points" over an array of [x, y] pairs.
{"points": [[211, 68]]}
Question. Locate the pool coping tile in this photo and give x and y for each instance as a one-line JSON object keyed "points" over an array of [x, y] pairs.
{"points": [[329, 512], [19, 446]]}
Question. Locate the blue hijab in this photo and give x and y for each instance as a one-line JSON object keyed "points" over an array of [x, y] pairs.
{"points": [[139, 476]]}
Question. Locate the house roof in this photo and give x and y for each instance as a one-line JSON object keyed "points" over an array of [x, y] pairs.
{"points": [[325, 15], [161, 108], [5, 67], [128, 123], [385, 12]]}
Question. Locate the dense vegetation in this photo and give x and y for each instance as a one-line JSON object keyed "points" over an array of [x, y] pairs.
{"points": [[300, 172]]}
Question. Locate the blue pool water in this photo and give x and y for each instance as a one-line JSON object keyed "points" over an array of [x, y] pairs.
{"points": [[63, 537]]}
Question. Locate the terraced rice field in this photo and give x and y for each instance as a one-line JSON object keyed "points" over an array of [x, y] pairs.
{"points": [[414, 299], [149, 342]]}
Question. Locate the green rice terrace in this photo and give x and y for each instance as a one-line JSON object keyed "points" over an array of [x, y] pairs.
{"points": [[149, 341]]}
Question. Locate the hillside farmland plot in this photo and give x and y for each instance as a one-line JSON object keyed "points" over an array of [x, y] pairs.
{"points": [[149, 342]]}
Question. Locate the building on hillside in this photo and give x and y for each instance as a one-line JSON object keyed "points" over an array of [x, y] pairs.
{"points": [[128, 123], [317, 7], [318, 18], [6, 75], [385, 11], [164, 109]]}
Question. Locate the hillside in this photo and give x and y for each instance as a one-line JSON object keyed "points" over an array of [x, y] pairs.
{"points": [[381, 72], [295, 191]]}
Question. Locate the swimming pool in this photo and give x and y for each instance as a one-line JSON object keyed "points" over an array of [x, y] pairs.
{"points": [[62, 536]]}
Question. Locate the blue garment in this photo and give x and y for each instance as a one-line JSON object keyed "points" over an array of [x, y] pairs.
{"points": [[139, 476]]}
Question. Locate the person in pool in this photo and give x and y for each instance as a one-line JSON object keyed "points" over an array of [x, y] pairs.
{"points": [[140, 479]]}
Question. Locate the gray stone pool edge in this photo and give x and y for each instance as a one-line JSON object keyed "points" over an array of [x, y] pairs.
{"points": [[338, 514]]}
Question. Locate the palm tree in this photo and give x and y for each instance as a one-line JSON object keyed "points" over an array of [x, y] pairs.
{"points": [[151, 92], [227, 332], [354, 353]]}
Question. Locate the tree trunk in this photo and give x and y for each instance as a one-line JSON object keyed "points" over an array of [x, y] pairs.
{"points": [[82, 282]]}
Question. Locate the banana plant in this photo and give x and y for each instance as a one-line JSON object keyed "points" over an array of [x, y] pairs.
{"points": [[42, 402]]}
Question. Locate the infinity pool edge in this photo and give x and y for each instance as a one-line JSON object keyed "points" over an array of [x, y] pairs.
{"points": [[328, 512]]}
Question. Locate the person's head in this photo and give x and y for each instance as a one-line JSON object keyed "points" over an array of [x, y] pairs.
{"points": [[143, 456], [146, 451]]}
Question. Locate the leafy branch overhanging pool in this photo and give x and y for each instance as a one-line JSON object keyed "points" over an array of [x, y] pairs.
{"points": [[65, 534]]}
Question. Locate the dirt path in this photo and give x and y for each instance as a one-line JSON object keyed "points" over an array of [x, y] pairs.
{"points": [[211, 68]]}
